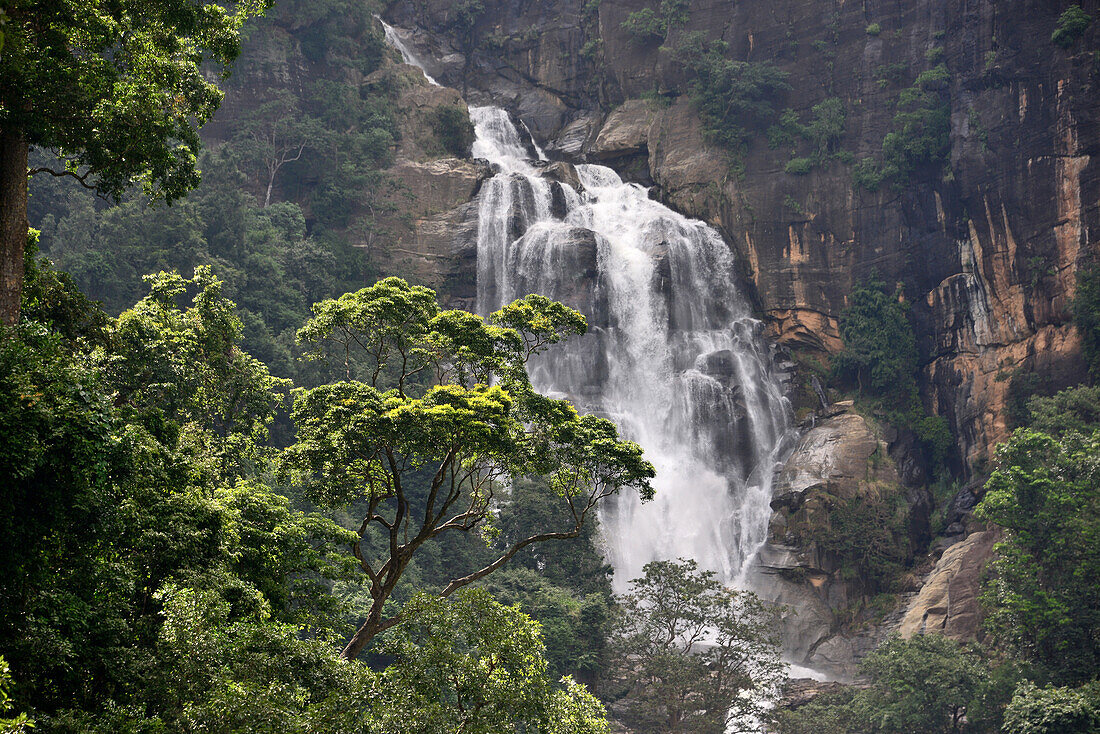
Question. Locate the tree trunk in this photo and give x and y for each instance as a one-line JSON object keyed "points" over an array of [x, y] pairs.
{"points": [[13, 222], [370, 629]]}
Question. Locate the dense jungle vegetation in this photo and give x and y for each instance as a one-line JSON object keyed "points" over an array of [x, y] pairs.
{"points": [[243, 492]]}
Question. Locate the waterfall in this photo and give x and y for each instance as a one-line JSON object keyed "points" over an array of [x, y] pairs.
{"points": [[394, 39], [672, 355]]}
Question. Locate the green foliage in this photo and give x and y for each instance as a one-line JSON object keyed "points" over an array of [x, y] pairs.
{"points": [[648, 25], [451, 124], [275, 262], [129, 439], [867, 174], [118, 91], [272, 269], [919, 141], [1052, 710], [880, 348], [928, 683], [18, 723], [736, 98], [1075, 409], [888, 74], [669, 679], [873, 29], [823, 132], [1043, 597], [921, 129], [1071, 26], [868, 535], [1086, 316], [219, 672], [565, 586], [799, 166], [468, 663], [357, 442]]}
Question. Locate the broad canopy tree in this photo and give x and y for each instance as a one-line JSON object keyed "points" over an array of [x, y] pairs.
{"points": [[691, 655], [117, 90], [441, 421]]}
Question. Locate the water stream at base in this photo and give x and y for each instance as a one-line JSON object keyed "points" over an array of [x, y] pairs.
{"points": [[673, 354]]}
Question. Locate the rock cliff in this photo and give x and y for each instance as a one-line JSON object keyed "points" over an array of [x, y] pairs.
{"points": [[985, 247], [845, 523]]}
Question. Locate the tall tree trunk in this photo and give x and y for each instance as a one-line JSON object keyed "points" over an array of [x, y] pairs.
{"points": [[13, 222]]}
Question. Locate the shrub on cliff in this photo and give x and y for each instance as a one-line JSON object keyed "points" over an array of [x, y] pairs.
{"points": [[880, 348], [1086, 316], [735, 98], [451, 124], [647, 25], [1071, 26]]}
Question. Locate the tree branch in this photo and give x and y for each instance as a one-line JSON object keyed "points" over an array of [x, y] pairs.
{"points": [[81, 179]]}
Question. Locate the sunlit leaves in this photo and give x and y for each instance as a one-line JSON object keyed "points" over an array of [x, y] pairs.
{"points": [[118, 89]]}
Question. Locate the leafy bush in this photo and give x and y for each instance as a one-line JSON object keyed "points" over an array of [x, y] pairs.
{"points": [[920, 138], [1086, 316], [736, 98], [1075, 409], [647, 25], [873, 29], [452, 125], [867, 174], [880, 348], [868, 536], [1071, 26], [1053, 710], [799, 166], [928, 684]]}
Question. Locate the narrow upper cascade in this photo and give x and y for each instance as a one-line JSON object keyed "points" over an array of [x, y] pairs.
{"points": [[395, 40], [673, 354]]}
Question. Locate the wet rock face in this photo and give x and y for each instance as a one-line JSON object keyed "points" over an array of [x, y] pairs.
{"points": [[986, 253], [841, 459]]}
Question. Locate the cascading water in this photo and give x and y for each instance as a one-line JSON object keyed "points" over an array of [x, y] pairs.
{"points": [[673, 354]]}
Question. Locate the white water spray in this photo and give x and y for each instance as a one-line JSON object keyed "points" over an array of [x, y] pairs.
{"points": [[673, 355], [393, 37]]}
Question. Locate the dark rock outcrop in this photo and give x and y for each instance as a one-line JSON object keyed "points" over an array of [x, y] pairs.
{"points": [[844, 458]]}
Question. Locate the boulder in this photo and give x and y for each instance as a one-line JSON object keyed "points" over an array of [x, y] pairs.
{"points": [[948, 600]]}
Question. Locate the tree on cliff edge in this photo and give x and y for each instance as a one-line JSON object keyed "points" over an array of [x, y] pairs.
{"points": [[117, 90]]}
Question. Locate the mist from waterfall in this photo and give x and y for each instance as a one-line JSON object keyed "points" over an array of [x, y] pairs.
{"points": [[673, 354]]}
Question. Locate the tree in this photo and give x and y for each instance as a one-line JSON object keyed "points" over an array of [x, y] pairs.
{"points": [[469, 664], [125, 442], [691, 655], [929, 684], [277, 133], [1086, 316], [432, 454], [116, 91], [1053, 710], [879, 345], [1043, 596]]}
